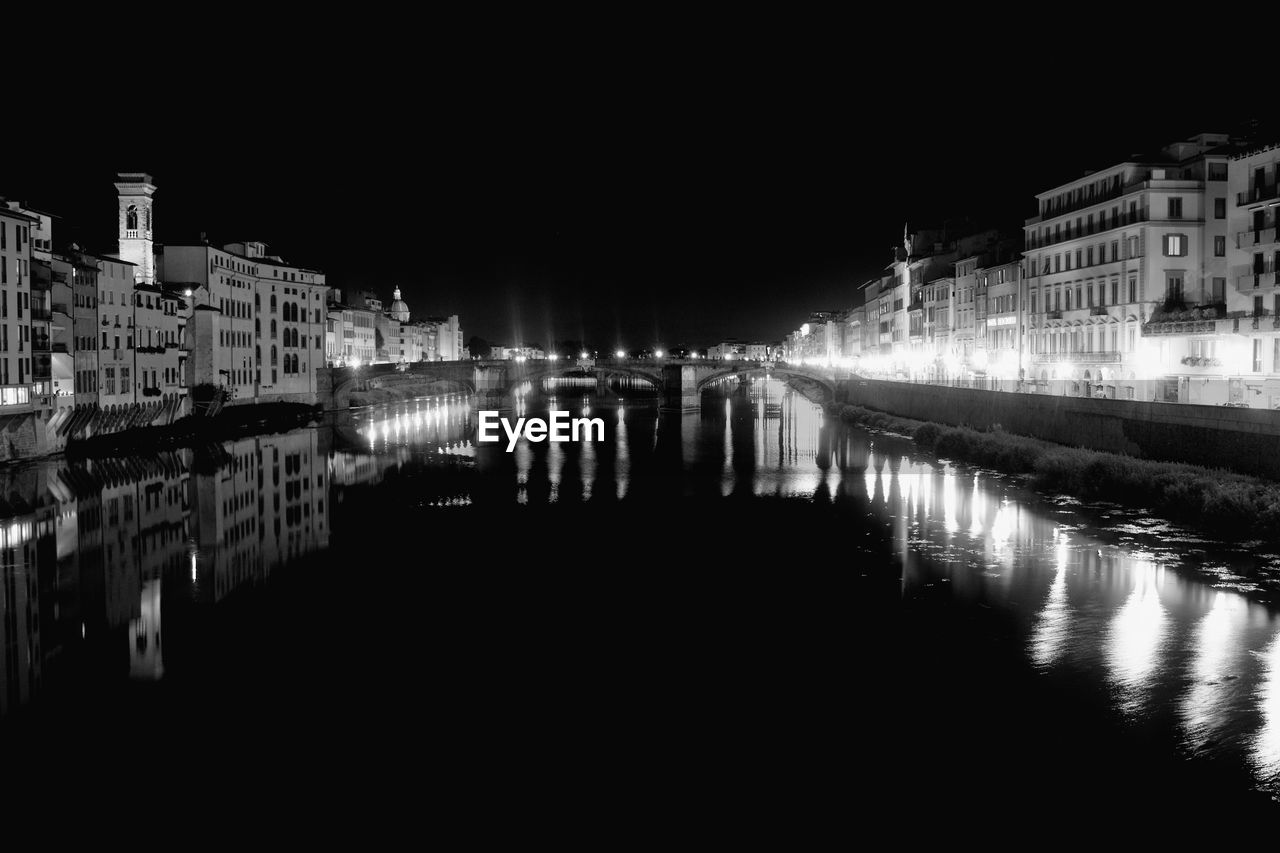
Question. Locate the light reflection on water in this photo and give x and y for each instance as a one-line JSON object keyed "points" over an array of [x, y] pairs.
{"points": [[1100, 595]]}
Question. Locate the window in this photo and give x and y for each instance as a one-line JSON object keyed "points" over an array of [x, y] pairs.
{"points": [[1219, 247], [1175, 245], [1173, 286], [131, 218], [1175, 208], [1219, 208], [1257, 355]]}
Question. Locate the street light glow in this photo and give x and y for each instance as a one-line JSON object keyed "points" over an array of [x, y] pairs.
{"points": [[657, 353], [620, 354]]}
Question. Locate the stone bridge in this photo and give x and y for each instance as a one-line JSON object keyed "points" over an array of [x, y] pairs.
{"points": [[679, 382]]}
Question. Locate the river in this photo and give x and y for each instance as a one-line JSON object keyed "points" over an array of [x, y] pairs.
{"points": [[747, 590]]}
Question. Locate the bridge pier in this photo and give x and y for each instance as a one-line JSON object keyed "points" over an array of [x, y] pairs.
{"points": [[680, 388]]}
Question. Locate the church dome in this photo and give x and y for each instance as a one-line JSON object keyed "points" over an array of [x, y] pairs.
{"points": [[399, 309]]}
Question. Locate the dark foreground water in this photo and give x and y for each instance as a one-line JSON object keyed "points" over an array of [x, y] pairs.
{"points": [[734, 609]]}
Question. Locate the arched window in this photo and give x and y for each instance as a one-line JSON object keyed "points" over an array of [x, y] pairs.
{"points": [[273, 303], [273, 355], [131, 218], [273, 330]]}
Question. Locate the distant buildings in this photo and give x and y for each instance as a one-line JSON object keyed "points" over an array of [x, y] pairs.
{"points": [[94, 343], [1154, 278], [361, 332]]}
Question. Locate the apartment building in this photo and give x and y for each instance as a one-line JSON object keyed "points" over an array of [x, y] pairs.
{"points": [[15, 309], [1114, 255], [258, 325], [1246, 350]]}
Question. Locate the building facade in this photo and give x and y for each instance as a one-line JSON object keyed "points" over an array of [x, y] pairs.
{"points": [[260, 335]]}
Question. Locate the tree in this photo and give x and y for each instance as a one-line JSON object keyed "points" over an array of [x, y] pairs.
{"points": [[377, 340], [479, 347]]}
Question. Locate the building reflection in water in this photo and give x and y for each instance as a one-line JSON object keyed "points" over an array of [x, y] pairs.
{"points": [[99, 554], [116, 554]]}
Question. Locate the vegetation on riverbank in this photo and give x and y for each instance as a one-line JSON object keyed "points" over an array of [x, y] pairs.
{"points": [[1174, 490]]}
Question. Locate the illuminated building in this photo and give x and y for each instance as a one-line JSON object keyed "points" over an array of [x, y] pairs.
{"points": [[257, 331], [1112, 259], [445, 339], [1000, 320], [15, 309], [1250, 358]]}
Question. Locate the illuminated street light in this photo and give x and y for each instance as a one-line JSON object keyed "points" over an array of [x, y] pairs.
{"points": [[657, 353], [584, 355], [620, 354], [555, 356]]}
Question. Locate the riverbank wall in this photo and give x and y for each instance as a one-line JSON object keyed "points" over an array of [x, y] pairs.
{"points": [[1238, 439]]}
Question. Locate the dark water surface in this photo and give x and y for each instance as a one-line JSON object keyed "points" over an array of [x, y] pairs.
{"points": [[746, 604]]}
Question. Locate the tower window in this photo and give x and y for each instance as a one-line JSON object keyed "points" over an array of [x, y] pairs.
{"points": [[131, 218]]}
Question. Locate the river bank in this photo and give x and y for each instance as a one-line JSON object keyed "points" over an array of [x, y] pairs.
{"points": [[231, 423], [1187, 493]]}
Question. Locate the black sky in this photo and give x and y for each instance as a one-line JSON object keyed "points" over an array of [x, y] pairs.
{"points": [[669, 191]]}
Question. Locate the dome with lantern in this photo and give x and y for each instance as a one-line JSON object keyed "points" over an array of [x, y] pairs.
{"points": [[399, 310]]}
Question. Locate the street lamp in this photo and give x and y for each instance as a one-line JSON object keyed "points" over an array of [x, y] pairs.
{"points": [[620, 354], [657, 353]]}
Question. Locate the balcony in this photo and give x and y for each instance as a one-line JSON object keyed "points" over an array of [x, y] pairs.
{"points": [[1098, 311], [1124, 219], [1259, 193], [1265, 237], [1053, 315], [1264, 277], [1102, 357]]}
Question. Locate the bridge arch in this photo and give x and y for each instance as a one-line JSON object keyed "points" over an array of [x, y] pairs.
{"points": [[551, 370], [810, 377]]}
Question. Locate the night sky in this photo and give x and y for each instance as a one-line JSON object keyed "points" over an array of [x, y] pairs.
{"points": [[659, 197]]}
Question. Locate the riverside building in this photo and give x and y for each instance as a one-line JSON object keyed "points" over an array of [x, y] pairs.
{"points": [[257, 330], [1114, 260]]}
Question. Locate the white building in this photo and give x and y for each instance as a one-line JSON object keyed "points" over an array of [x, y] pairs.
{"points": [[1113, 259], [261, 333], [15, 309]]}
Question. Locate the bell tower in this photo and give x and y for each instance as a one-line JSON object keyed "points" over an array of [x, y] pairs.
{"points": [[134, 191]]}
